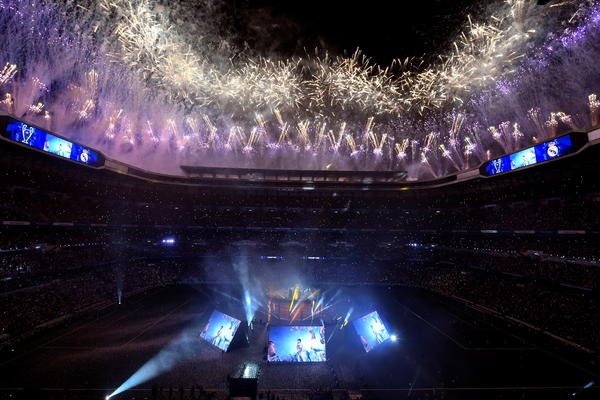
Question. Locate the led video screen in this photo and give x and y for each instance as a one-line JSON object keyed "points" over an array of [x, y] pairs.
{"points": [[554, 148], [296, 344], [522, 158], [371, 330], [26, 134], [220, 330], [542, 152]]}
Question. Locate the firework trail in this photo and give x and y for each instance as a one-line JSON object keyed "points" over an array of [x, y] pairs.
{"points": [[158, 84]]}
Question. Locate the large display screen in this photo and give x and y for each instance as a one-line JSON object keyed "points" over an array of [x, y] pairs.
{"points": [[371, 330], [34, 137], [220, 330], [542, 152], [296, 344]]}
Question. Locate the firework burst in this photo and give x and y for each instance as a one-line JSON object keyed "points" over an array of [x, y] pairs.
{"points": [[150, 82]]}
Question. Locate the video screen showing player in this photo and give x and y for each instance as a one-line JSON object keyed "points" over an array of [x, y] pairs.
{"points": [[523, 158], [220, 329], [58, 146], [296, 344], [371, 331]]}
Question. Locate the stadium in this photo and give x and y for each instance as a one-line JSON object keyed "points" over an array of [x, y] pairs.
{"points": [[184, 218]]}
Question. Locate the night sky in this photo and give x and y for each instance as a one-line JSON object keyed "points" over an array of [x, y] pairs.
{"points": [[382, 29]]}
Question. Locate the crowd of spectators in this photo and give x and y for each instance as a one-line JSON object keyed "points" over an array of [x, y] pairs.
{"points": [[25, 311], [48, 259], [32, 205], [533, 266], [573, 316]]}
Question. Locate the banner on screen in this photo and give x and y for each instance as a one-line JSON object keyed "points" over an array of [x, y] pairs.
{"points": [[220, 329], [371, 330], [296, 344]]}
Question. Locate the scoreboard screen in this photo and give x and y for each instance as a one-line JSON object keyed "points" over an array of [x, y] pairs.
{"points": [[555, 148], [26, 134]]}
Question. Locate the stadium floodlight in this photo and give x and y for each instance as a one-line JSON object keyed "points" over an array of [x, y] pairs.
{"points": [[180, 348], [393, 338], [168, 241]]}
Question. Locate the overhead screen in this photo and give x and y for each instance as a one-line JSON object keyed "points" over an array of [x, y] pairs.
{"points": [[549, 150], [296, 344], [220, 330], [34, 137], [371, 330]]}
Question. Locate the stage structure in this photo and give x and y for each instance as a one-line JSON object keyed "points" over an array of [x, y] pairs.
{"points": [[299, 304], [244, 381]]}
